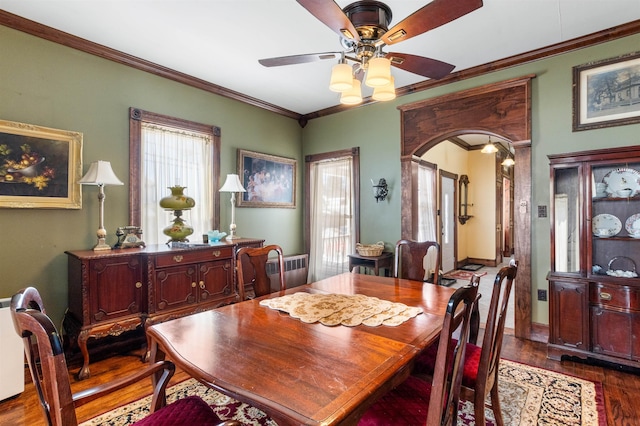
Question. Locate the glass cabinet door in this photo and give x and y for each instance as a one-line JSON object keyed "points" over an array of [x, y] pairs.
{"points": [[567, 219], [615, 219]]}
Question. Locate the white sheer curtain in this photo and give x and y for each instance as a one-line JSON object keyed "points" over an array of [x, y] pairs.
{"points": [[332, 219], [173, 157], [427, 207]]}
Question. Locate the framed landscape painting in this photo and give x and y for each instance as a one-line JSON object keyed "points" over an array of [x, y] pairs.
{"points": [[607, 93], [269, 181], [39, 167]]}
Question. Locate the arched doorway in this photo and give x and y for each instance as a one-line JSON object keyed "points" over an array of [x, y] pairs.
{"points": [[504, 109]]}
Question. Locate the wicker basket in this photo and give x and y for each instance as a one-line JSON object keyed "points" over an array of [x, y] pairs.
{"points": [[370, 249]]}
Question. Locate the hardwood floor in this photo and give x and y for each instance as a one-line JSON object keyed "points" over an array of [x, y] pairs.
{"points": [[621, 389]]}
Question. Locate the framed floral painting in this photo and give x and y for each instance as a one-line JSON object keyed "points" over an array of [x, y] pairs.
{"points": [[39, 167]]}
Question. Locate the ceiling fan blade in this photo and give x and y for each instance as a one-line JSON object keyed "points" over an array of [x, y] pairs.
{"points": [[433, 15], [330, 14], [420, 65], [298, 59]]}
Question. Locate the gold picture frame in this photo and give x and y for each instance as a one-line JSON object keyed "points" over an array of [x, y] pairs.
{"points": [[605, 93], [39, 167], [270, 181]]}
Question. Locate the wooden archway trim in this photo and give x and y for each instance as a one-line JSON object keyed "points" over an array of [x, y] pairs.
{"points": [[503, 109]]}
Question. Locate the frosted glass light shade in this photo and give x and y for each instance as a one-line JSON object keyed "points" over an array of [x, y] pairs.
{"points": [[489, 148], [341, 78], [352, 96], [378, 72], [385, 93], [508, 162]]}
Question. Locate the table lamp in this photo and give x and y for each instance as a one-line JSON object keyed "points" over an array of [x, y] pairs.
{"points": [[232, 185], [100, 173]]}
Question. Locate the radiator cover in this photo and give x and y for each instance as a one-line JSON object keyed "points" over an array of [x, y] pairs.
{"points": [[296, 268]]}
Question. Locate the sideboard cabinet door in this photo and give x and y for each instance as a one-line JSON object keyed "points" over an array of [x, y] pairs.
{"points": [[569, 318]]}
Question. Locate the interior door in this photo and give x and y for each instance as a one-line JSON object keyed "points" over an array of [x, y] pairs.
{"points": [[448, 222]]}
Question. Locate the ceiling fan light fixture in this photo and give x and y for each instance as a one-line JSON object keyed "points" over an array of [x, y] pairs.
{"points": [[385, 93], [341, 77], [378, 72], [352, 96]]}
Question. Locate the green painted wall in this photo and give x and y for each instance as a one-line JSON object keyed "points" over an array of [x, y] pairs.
{"points": [[49, 85], [376, 130]]}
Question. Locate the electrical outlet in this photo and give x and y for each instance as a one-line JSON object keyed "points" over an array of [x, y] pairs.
{"points": [[542, 295]]}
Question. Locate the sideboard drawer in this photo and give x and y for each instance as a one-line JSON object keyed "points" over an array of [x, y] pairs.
{"points": [[615, 296], [193, 256]]}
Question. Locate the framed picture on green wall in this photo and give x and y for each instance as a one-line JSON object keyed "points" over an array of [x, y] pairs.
{"points": [[39, 167], [269, 180], [607, 93]]}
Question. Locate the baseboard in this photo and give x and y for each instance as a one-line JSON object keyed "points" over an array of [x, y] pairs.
{"points": [[539, 332]]}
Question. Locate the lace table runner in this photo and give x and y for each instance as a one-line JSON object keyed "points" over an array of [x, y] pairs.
{"points": [[342, 309]]}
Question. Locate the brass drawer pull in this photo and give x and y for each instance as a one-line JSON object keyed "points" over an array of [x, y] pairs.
{"points": [[178, 258], [605, 296], [202, 285], [138, 284], [193, 284], [216, 253]]}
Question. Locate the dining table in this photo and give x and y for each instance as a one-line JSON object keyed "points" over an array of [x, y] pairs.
{"points": [[302, 373]]}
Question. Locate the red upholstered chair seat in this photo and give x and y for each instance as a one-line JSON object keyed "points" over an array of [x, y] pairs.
{"points": [[190, 410], [405, 405], [427, 359]]}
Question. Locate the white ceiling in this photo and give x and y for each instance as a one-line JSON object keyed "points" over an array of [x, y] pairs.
{"points": [[220, 41]]}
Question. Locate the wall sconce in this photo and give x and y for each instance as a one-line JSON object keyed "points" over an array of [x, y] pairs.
{"points": [[464, 200], [380, 190]]}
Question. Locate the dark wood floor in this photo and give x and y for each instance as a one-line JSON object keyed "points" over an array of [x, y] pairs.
{"points": [[621, 389]]}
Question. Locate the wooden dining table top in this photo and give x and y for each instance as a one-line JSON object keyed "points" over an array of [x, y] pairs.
{"points": [[301, 373]]}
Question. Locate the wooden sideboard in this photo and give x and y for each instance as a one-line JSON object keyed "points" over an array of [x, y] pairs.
{"points": [[124, 289]]}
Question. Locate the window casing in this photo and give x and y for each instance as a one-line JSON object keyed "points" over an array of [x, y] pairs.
{"points": [[190, 158]]}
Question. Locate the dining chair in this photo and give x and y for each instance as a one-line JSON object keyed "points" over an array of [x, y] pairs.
{"points": [[480, 373], [418, 260], [46, 359], [406, 403], [252, 269]]}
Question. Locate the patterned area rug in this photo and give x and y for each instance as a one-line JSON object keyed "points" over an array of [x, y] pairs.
{"points": [[529, 396], [463, 275]]}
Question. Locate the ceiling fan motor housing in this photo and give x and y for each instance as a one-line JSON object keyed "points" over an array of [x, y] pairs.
{"points": [[370, 18]]}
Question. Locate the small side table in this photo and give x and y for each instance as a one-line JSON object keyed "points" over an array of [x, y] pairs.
{"points": [[385, 260]]}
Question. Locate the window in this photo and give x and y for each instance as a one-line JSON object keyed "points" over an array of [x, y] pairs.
{"points": [[332, 211], [165, 152], [426, 197]]}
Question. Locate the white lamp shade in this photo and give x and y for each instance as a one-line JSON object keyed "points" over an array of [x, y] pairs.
{"points": [[100, 173], [341, 78], [352, 96], [385, 93], [232, 184], [378, 72]]}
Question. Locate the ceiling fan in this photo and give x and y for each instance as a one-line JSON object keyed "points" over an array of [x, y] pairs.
{"points": [[363, 30]]}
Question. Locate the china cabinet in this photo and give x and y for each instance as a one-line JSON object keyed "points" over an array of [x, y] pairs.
{"points": [[594, 289], [112, 292]]}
